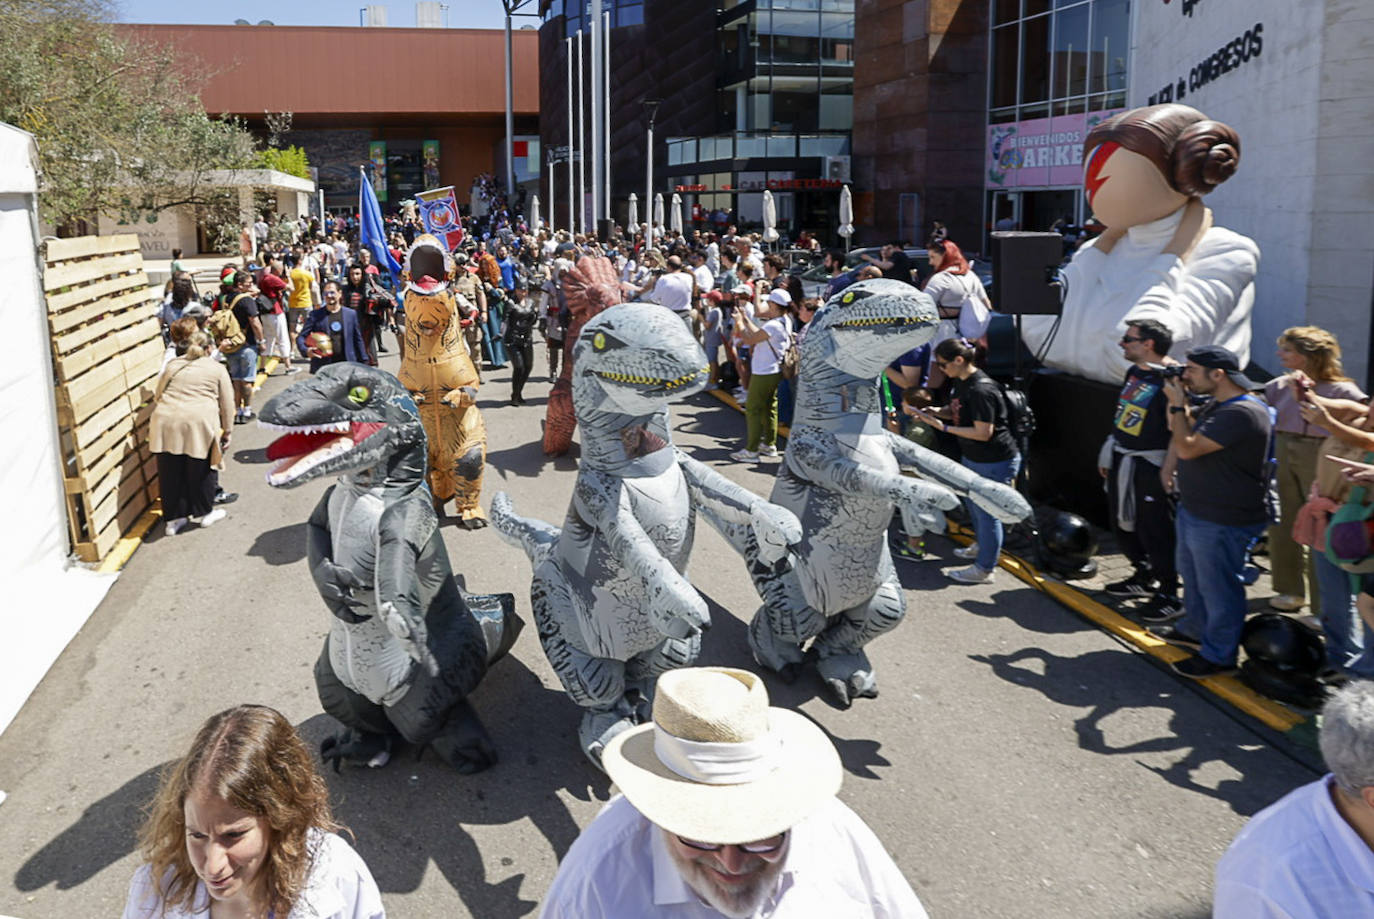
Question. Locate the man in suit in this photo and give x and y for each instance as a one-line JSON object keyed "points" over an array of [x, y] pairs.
{"points": [[341, 325]]}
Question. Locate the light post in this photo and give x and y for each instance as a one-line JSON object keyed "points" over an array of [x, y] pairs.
{"points": [[651, 109]]}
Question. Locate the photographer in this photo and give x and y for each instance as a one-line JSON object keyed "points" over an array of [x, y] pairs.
{"points": [[1136, 463]]}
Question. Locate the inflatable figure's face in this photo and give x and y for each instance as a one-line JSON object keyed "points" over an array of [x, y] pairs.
{"points": [[870, 324], [429, 314], [636, 358], [346, 417], [1124, 189]]}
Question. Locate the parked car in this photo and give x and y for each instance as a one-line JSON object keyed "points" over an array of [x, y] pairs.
{"points": [[815, 278]]}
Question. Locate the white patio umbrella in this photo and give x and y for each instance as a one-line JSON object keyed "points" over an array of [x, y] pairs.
{"points": [[770, 218], [535, 222], [846, 215], [675, 214], [634, 213], [658, 214]]}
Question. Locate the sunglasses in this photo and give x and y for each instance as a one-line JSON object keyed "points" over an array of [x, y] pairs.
{"points": [[760, 847], [1127, 339], [941, 364]]}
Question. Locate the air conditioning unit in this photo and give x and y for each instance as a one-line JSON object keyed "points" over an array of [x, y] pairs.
{"points": [[837, 168]]}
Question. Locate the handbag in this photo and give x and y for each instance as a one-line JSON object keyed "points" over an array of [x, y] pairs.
{"points": [[789, 362], [1309, 525]]}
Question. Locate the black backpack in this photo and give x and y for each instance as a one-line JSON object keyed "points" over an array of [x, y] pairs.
{"points": [[1020, 415]]}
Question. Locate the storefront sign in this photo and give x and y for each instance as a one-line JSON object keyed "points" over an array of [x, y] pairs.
{"points": [[771, 185], [1040, 152]]}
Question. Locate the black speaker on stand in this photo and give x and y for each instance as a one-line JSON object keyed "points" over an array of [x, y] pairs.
{"points": [[1025, 267]]}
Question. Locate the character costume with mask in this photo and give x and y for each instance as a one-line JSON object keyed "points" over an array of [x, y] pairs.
{"points": [[589, 286]]}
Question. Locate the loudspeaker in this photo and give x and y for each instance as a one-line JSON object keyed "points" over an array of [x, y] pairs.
{"points": [[603, 230], [1023, 269]]}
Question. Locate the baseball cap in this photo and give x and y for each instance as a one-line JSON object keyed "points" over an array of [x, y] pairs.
{"points": [[741, 291], [1215, 357], [780, 296], [715, 296]]}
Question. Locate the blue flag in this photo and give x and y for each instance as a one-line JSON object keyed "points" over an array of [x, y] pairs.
{"points": [[371, 230]]}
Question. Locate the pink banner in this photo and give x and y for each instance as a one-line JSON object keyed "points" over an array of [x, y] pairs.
{"points": [[1040, 152]]}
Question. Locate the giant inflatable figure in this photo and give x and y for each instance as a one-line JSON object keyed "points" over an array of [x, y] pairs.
{"points": [[1145, 172], [405, 645], [439, 374], [589, 286], [610, 593], [841, 476]]}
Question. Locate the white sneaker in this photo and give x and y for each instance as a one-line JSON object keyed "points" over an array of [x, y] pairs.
{"points": [[970, 575], [740, 395], [744, 456], [969, 552], [1287, 603], [214, 517], [769, 450], [175, 525]]}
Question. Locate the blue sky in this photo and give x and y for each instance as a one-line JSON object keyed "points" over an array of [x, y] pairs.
{"points": [[471, 14]]}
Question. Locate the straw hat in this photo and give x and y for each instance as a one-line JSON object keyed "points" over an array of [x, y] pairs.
{"points": [[717, 764]]}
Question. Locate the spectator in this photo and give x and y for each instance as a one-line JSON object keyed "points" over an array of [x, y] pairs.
{"points": [[1224, 478], [242, 361], [301, 294], [673, 291], [193, 410], [767, 344], [1135, 462], [712, 334], [839, 278], [1309, 856], [1315, 354], [508, 268], [241, 826], [272, 314], [977, 415], [340, 324], [519, 334], [260, 233], [893, 261], [557, 315], [171, 308], [467, 286], [965, 310], [772, 840]]}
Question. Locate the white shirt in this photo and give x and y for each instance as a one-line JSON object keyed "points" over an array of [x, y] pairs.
{"points": [[619, 868], [761, 357], [673, 290], [713, 257], [965, 293], [339, 887], [1296, 859], [705, 278]]}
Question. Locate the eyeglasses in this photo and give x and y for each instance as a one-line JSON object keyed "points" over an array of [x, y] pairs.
{"points": [[1127, 339], [759, 847]]}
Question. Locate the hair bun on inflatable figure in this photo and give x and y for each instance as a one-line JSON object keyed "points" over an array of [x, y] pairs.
{"points": [[1194, 153]]}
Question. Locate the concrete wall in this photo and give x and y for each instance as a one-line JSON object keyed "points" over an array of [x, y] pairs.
{"points": [[167, 230]]}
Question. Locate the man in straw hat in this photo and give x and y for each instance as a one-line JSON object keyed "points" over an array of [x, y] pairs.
{"points": [[727, 808]]}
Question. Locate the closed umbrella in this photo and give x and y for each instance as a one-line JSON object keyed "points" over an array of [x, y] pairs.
{"points": [[634, 213], [658, 213], [846, 215], [675, 214], [770, 218], [535, 222]]}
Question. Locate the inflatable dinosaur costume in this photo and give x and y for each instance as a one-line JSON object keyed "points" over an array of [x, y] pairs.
{"points": [[841, 477], [405, 646], [610, 593], [589, 286], [439, 374]]}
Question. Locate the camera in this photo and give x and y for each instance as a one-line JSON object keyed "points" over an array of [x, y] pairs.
{"points": [[1168, 371]]}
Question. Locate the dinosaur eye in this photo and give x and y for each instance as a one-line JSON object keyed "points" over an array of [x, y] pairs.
{"points": [[599, 341], [359, 395]]}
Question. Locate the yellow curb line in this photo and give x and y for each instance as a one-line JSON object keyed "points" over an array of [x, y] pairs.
{"points": [[1276, 716], [268, 365]]}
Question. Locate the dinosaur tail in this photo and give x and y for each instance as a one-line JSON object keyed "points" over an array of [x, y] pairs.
{"points": [[534, 536]]}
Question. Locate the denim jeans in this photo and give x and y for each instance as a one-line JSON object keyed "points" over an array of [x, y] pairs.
{"points": [[1349, 642], [491, 334], [1210, 559], [987, 529]]}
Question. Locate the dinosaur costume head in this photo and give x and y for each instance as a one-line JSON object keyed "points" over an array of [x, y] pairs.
{"points": [[633, 359], [347, 418], [868, 325], [428, 266]]}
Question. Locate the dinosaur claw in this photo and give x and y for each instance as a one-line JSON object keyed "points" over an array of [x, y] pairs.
{"points": [[839, 692]]}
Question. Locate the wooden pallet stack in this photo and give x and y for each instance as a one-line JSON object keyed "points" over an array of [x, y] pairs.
{"points": [[107, 352]]}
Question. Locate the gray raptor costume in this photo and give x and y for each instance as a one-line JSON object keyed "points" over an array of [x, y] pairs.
{"points": [[841, 476], [405, 646], [610, 594]]}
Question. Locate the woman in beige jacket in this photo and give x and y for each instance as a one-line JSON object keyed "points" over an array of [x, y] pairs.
{"points": [[193, 414]]}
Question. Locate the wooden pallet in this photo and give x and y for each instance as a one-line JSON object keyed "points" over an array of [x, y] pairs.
{"points": [[107, 353]]}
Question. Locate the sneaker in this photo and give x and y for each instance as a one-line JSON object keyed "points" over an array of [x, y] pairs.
{"points": [[226, 497], [1200, 668], [1287, 603], [968, 552], [902, 549], [247, 412], [175, 525], [740, 395], [214, 517], [970, 575], [770, 450], [1173, 636], [290, 370], [744, 456], [1161, 608], [1137, 585]]}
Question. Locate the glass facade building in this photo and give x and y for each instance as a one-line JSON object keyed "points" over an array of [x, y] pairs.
{"points": [[575, 13]]}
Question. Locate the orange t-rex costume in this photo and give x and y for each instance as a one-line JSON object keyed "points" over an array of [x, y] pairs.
{"points": [[440, 376], [590, 286]]}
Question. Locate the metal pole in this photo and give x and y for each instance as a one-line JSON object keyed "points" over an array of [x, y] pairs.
{"points": [[649, 181], [581, 144], [510, 125], [572, 186], [594, 90], [553, 200], [606, 37]]}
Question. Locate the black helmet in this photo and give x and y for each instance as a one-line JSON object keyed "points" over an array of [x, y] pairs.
{"points": [[1066, 545], [1291, 686], [1283, 643]]}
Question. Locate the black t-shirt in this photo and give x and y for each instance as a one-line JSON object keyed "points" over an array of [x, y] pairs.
{"points": [[1229, 486], [901, 267], [979, 399], [245, 307], [1142, 412]]}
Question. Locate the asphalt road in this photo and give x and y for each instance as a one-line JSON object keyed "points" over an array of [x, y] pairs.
{"points": [[1018, 763]]}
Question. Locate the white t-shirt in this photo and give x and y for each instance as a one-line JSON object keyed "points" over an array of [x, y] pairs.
{"points": [[619, 868], [673, 290], [762, 358], [965, 293], [704, 277], [1296, 859], [339, 886]]}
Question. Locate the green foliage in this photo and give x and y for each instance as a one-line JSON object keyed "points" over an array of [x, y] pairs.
{"points": [[291, 161], [120, 130]]}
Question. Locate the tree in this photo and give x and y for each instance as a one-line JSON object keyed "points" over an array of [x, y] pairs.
{"points": [[120, 129]]}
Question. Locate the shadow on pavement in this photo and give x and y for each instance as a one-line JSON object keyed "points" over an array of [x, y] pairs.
{"points": [[528, 461], [282, 546], [1095, 681]]}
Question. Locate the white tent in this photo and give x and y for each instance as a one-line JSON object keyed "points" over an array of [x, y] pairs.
{"points": [[675, 214], [46, 602], [658, 214], [770, 218], [633, 222], [535, 222]]}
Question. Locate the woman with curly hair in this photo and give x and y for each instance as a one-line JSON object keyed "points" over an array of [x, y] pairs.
{"points": [[241, 827]]}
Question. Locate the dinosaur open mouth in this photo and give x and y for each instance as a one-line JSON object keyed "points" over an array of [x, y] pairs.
{"points": [[652, 382], [303, 447]]}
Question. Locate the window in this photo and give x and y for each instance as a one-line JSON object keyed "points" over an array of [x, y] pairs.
{"points": [[1110, 46], [1006, 11], [1005, 65], [1056, 57], [1070, 62], [1035, 67]]}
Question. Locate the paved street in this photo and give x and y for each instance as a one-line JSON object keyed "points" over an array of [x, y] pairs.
{"points": [[1018, 763]]}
